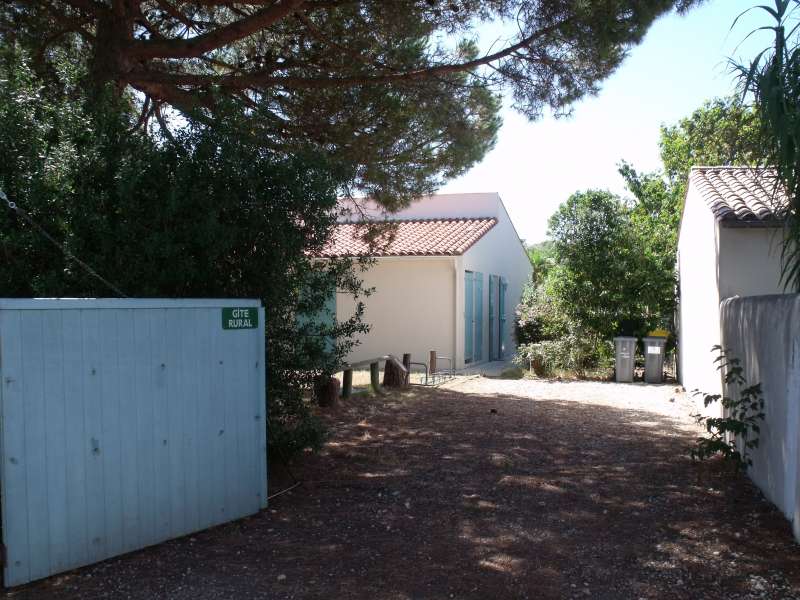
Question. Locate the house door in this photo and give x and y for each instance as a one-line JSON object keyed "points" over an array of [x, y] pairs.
{"points": [[469, 315], [501, 311], [497, 316], [492, 317]]}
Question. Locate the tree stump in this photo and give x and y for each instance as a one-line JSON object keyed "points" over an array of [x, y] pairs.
{"points": [[394, 374], [326, 390]]}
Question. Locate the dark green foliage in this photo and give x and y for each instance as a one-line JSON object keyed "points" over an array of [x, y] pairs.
{"points": [[722, 132], [604, 258], [606, 273], [737, 432], [537, 315], [542, 259], [593, 287], [609, 267], [396, 92], [773, 81], [207, 214]]}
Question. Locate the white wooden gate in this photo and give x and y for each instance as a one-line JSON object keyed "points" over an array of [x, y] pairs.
{"points": [[126, 423]]}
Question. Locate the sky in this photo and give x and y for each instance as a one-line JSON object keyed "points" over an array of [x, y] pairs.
{"points": [[682, 62]]}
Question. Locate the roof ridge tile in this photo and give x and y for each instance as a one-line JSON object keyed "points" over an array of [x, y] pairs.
{"points": [[740, 193]]}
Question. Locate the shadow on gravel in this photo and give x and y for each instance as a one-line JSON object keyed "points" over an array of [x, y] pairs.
{"points": [[438, 494]]}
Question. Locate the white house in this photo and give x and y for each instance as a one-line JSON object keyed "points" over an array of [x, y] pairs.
{"points": [[729, 245], [448, 276]]}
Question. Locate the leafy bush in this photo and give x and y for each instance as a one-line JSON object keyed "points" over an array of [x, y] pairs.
{"points": [[738, 430], [605, 273], [542, 259], [574, 353], [207, 214], [608, 278], [539, 316]]}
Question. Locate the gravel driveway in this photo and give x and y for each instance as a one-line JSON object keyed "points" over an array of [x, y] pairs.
{"points": [[484, 489], [664, 399]]}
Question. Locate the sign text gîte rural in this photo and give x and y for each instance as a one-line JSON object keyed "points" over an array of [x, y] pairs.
{"points": [[239, 318]]}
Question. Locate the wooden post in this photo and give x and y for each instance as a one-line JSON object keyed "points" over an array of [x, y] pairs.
{"points": [[395, 374], [326, 390], [433, 362], [407, 365], [347, 383], [374, 376]]}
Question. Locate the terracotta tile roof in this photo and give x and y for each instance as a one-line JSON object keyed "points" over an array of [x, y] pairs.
{"points": [[740, 193], [420, 237]]}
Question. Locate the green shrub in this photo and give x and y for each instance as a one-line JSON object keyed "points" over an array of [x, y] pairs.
{"points": [[574, 353], [737, 432]]}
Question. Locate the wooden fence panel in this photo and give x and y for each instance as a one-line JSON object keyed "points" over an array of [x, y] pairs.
{"points": [[125, 423]]}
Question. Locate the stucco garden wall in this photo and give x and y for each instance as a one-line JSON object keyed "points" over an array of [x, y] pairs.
{"points": [[764, 332]]}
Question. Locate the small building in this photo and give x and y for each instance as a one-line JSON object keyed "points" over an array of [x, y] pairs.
{"points": [[448, 276], [729, 245]]}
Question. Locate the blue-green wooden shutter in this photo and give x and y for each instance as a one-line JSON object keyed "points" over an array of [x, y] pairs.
{"points": [[502, 312], [492, 309], [469, 315], [478, 316]]}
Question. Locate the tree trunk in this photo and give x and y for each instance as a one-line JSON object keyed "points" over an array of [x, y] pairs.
{"points": [[347, 383], [326, 390], [110, 62], [394, 374]]}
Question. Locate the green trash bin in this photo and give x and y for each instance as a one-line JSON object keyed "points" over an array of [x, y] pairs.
{"points": [[654, 359], [625, 352]]}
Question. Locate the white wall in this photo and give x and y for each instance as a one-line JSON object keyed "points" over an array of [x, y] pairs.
{"points": [[499, 252], [764, 332], [412, 309], [749, 261], [699, 296]]}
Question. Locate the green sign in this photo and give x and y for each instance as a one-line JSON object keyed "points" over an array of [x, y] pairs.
{"points": [[240, 318]]}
